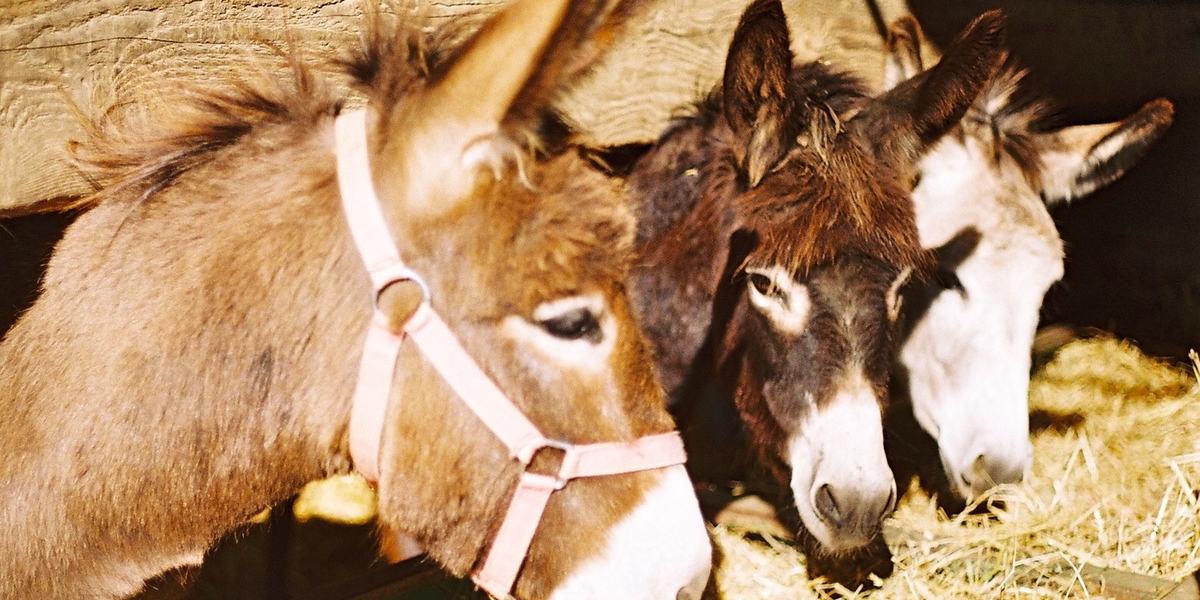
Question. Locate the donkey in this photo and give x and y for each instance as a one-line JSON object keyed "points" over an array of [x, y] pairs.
{"points": [[775, 227], [981, 206], [194, 353]]}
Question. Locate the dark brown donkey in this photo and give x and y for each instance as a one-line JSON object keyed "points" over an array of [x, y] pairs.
{"points": [[192, 358], [775, 228]]}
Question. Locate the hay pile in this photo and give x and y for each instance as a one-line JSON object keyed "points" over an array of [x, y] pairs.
{"points": [[1115, 483]]}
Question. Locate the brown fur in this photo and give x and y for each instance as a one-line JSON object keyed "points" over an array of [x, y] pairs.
{"points": [[192, 357], [792, 166]]}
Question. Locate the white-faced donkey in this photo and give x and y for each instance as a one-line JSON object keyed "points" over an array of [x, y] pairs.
{"points": [[981, 202]]}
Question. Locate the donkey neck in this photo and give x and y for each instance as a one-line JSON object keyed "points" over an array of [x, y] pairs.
{"points": [[684, 190], [199, 415]]}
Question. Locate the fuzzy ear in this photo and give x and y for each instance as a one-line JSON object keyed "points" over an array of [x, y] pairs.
{"points": [[1085, 158], [905, 121], [589, 29], [903, 60], [755, 90], [502, 79]]}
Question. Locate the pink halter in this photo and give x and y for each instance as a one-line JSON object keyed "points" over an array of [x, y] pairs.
{"points": [[442, 349]]}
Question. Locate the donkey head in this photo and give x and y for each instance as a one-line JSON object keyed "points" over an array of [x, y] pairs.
{"points": [[824, 236], [981, 203], [525, 257]]}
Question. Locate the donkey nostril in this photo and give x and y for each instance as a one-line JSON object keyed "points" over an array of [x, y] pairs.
{"points": [[995, 472], [826, 504], [986, 472], [695, 589], [890, 504], [962, 477]]}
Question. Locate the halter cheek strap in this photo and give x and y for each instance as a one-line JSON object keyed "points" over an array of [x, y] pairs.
{"points": [[443, 351]]}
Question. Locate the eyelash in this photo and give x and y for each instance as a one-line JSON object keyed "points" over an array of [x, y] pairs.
{"points": [[763, 284], [576, 324]]}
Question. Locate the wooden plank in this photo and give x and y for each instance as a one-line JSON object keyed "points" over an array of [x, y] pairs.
{"points": [[60, 61], [1123, 585]]}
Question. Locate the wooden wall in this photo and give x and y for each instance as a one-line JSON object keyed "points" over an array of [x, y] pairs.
{"points": [[62, 60]]}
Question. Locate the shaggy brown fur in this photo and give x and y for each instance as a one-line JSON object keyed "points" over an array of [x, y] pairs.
{"points": [[192, 357], [788, 165]]}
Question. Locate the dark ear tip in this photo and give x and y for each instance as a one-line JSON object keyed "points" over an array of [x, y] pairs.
{"points": [[1160, 109], [770, 7], [988, 28], [983, 40]]}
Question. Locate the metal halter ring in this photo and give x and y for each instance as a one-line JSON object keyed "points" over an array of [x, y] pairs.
{"points": [[395, 274], [566, 448]]}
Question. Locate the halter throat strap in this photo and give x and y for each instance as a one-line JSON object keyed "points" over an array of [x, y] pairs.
{"points": [[441, 348]]}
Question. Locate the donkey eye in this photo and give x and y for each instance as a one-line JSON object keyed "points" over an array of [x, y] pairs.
{"points": [[575, 324], [763, 285], [775, 294]]}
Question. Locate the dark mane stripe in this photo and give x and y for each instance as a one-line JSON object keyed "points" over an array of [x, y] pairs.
{"points": [[1016, 116], [136, 156]]}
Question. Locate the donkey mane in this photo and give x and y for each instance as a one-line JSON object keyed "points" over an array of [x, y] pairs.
{"points": [[1015, 115], [806, 240], [140, 155], [137, 156]]}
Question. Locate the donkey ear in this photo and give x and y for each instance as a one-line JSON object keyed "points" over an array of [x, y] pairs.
{"points": [[903, 60], [755, 89], [905, 121], [1084, 158], [502, 79]]}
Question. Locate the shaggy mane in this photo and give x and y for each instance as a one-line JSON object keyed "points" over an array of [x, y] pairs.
{"points": [[1015, 117], [137, 156], [828, 93]]}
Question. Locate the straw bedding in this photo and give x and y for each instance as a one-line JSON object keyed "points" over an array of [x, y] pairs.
{"points": [[1114, 484]]}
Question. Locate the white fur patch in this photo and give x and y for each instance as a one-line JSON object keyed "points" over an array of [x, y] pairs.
{"points": [[580, 353], [786, 304], [841, 446], [657, 551], [893, 298], [968, 357]]}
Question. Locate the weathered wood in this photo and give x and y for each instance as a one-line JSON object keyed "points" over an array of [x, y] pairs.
{"points": [[60, 61], [1123, 585]]}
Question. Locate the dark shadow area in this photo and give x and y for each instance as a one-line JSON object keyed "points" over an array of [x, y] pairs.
{"points": [[282, 559], [1133, 253], [1041, 420], [25, 246]]}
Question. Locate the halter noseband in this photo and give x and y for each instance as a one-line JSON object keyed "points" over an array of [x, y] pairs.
{"points": [[441, 348]]}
